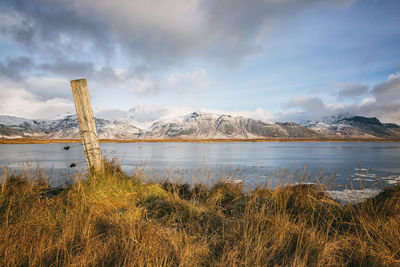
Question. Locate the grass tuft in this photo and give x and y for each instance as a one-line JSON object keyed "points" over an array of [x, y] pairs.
{"points": [[112, 219]]}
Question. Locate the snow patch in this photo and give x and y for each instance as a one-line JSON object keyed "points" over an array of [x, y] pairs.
{"points": [[352, 196]]}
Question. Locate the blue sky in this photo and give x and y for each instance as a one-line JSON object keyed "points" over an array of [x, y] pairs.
{"points": [[266, 59]]}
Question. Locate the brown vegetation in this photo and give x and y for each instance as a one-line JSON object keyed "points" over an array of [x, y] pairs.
{"points": [[112, 219]]}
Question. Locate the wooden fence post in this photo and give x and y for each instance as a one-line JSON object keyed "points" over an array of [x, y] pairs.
{"points": [[87, 125]]}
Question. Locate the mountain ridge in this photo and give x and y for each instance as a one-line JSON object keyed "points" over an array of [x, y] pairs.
{"points": [[203, 126]]}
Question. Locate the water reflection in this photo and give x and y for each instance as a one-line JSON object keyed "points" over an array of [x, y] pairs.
{"points": [[250, 163]]}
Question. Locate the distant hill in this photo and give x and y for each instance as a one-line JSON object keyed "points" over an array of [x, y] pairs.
{"points": [[354, 126], [203, 126]]}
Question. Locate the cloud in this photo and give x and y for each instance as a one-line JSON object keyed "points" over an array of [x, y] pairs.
{"points": [[195, 80], [43, 87], [305, 102], [48, 87], [144, 114], [383, 103], [152, 31], [19, 102], [300, 108], [388, 90], [386, 101], [16, 67], [258, 114], [110, 114], [149, 113], [104, 78], [351, 90], [141, 84], [135, 45], [56, 82]]}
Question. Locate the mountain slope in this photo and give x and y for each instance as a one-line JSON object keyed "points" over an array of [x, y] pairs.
{"points": [[354, 126], [203, 126], [200, 126], [63, 128]]}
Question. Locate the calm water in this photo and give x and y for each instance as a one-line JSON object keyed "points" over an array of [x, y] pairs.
{"points": [[343, 164]]}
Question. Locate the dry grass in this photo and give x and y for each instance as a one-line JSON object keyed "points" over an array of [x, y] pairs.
{"points": [[112, 219]]}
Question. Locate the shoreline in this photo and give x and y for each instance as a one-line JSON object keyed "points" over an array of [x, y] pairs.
{"points": [[209, 140], [113, 218]]}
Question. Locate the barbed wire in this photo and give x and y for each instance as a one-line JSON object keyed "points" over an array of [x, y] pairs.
{"points": [[88, 131]]}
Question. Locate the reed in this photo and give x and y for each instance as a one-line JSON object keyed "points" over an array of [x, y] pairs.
{"points": [[115, 219]]}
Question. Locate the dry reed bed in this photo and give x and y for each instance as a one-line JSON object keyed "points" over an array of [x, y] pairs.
{"points": [[112, 219]]}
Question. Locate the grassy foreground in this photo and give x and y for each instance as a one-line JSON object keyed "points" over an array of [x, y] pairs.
{"points": [[115, 220]]}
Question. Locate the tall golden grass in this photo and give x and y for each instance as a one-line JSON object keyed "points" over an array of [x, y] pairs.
{"points": [[112, 219]]}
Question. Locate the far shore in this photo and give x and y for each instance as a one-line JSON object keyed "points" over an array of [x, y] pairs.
{"points": [[51, 141]]}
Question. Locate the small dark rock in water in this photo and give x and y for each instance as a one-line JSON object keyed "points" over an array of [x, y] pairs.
{"points": [[66, 148], [72, 165]]}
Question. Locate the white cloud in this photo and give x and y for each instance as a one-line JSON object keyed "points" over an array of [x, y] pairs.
{"points": [[176, 81], [144, 115], [21, 103], [335, 106], [389, 90], [48, 87], [195, 80], [384, 104], [105, 80], [142, 85], [367, 101], [110, 114], [129, 80]]}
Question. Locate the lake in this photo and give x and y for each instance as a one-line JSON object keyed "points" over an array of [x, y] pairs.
{"points": [[339, 164]]}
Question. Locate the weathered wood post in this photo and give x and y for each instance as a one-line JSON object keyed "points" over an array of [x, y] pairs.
{"points": [[87, 125]]}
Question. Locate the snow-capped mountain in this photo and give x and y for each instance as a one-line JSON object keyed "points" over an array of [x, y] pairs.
{"points": [[197, 125], [14, 127], [202, 126], [353, 126]]}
